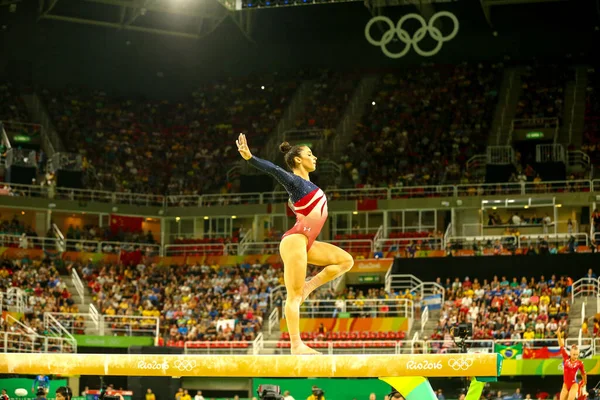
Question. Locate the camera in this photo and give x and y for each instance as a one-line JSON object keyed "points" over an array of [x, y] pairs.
{"points": [[40, 391], [269, 392], [464, 331], [394, 394]]}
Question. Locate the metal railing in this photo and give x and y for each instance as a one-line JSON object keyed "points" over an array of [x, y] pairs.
{"points": [[376, 346], [273, 321], [107, 247], [18, 342], [430, 243], [401, 283], [196, 249], [211, 200], [374, 308], [13, 300], [95, 323], [585, 287], [28, 242], [78, 284], [129, 325], [521, 241], [424, 318], [56, 329]]}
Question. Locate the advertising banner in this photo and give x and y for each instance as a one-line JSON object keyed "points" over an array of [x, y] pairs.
{"points": [[113, 341], [259, 366], [351, 324], [551, 366], [372, 265]]}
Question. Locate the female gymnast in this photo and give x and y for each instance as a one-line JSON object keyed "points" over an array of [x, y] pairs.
{"points": [[299, 246], [571, 389]]}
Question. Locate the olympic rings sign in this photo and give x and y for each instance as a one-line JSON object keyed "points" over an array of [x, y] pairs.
{"points": [[185, 365], [460, 364], [406, 38]]}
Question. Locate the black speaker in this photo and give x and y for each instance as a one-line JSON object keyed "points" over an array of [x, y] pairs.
{"points": [[585, 216], [21, 175], [69, 179]]}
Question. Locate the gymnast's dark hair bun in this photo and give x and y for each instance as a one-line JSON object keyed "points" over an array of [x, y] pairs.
{"points": [[285, 147]]}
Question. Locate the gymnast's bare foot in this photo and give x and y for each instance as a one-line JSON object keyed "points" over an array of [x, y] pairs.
{"points": [[303, 349]]}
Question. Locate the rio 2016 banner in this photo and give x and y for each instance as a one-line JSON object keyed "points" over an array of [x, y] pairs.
{"points": [[551, 366], [263, 366], [351, 324]]}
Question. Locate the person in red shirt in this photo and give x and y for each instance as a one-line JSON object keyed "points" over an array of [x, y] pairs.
{"points": [[571, 389]]}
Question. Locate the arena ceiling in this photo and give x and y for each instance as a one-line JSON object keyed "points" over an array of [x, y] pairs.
{"points": [[194, 19]]}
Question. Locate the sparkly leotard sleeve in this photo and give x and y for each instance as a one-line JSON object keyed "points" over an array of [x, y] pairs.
{"points": [[307, 200]]}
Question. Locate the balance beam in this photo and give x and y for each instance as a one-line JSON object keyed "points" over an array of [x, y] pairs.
{"points": [[264, 366]]}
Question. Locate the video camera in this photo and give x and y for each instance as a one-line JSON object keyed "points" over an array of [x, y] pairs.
{"points": [[318, 392], [464, 331], [40, 391], [394, 394], [269, 392]]}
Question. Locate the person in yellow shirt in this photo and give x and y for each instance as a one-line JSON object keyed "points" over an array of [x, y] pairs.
{"points": [[529, 334], [185, 396], [150, 395], [317, 394], [179, 394]]}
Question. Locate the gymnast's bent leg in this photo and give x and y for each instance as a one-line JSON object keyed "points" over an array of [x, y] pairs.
{"points": [[336, 261]]}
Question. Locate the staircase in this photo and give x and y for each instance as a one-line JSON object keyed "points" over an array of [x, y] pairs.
{"points": [[287, 121], [51, 141], [575, 321], [82, 303], [429, 329], [574, 111], [510, 91], [354, 112]]}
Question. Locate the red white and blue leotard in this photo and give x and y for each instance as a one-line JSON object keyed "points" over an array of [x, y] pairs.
{"points": [[570, 369], [308, 202]]}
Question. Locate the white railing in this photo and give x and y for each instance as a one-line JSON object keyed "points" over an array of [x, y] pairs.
{"points": [[427, 291], [375, 346], [78, 285], [129, 325], [424, 318], [585, 287], [219, 347], [430, 243], [13, 300], [211, 200], [258, 344], [108, 247], [19, 342], [28, 242], [522, 241], [356, 308], [195, 249], [53, 326], [273, 321]]}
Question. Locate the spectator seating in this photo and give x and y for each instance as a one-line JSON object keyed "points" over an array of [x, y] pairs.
{"points": [[422, 126], [12, 107], [543, 91], [330, 94], [537, 306], [124, 140], [591, 134], [238, 293]]}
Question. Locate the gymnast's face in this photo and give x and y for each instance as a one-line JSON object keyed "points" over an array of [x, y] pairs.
{"points": [[574, 353], [307, 159]]}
